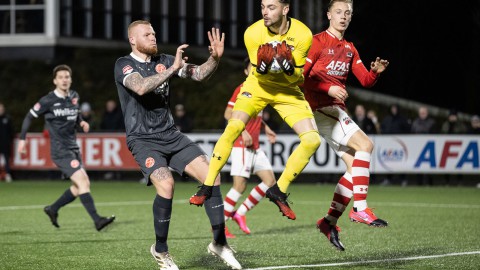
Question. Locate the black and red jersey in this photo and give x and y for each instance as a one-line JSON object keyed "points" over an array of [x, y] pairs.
{"points": [[149, 114]]}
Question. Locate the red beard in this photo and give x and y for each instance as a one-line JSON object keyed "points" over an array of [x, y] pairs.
{"points": [[148, 50]]}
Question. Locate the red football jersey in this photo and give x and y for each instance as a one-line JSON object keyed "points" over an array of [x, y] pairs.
{"points": [[328, 63], [253, 126]]}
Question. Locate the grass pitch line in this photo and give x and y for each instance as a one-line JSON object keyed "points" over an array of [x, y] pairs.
{"points": [[402, 204], [27, 207], [369, 261], [127, 203]]}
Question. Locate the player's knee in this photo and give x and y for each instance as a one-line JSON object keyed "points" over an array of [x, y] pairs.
{"points": [[311, 140], [235, 126]]}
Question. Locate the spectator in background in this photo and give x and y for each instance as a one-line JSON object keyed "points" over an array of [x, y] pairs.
{"points": [[452, 125], [423, 124], [112, 117], [112, 121], [395, 122], [360, 117], [7, 135], [182, 120], [474, 125], [88, 115], [372, 115]]}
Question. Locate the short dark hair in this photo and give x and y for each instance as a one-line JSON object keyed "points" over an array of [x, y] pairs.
{"points": [[60, 68], [287, 2]]}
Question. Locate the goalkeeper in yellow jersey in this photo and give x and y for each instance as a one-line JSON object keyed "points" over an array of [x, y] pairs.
{"points": [[277, 46]]}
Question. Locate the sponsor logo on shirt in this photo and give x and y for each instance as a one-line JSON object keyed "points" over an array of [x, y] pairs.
{"points": [[65, 112], [338, 68], [127, 69]]}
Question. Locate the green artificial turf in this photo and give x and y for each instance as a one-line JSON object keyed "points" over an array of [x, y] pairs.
{"points": [[441, 222]]}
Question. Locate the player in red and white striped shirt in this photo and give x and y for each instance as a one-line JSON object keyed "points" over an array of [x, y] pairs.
{"points": [[329, 61], [247, 158]]}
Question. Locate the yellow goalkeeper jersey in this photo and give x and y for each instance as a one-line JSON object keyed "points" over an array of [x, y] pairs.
{"points": [[298, 37]]}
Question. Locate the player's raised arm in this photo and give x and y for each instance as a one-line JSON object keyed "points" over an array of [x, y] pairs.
{"points": [[216, 49]]}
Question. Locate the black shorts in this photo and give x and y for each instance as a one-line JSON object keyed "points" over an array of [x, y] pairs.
{"points": [[69, 162], [173, 149]]}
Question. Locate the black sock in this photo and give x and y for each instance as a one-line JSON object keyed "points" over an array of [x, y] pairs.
{"points": [[162, 211], [66, 198], [214, 209], [89, 205]]}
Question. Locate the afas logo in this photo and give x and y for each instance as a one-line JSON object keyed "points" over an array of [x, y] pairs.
{"points": [[394, 155]]}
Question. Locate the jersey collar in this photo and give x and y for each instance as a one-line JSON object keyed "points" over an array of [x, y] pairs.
{"points": [[333, 36], [140, 59], [59, 94]]}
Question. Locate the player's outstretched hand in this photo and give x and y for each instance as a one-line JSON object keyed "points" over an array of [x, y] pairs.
{"points": [[284, 58], [179, 59], [379, 65], [217, 43], [265, 55]]}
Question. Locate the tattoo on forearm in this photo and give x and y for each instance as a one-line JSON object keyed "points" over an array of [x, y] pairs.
{"points": [[140, 85], [205, 70]]}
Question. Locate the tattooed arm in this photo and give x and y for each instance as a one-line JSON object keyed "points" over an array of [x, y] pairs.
{"points": [[204, 71], [142, 86]]}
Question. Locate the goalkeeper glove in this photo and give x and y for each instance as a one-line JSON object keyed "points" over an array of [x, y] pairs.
{"points": [[265, 55], [284, 58]]}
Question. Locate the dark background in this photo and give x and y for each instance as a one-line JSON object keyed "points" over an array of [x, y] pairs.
{"points": [[433, 49]]}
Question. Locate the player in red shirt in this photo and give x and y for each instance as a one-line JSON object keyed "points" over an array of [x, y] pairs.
{"points": [[247, 158], [329, 61]]}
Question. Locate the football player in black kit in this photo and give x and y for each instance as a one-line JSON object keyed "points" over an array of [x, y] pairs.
{"points": [[142, 80], [60, 108]]}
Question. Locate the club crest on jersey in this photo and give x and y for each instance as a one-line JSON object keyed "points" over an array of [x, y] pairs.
{"points": [[149, 162], [37, 106], [74, 101], [247, 94], [127, 69], [74, 163], [349, 54], [160, 68], [347, 120]]}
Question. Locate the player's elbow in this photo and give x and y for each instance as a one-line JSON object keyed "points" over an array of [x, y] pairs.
{"points": [[140, 90]]}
